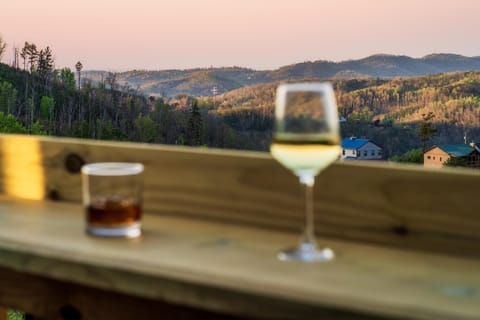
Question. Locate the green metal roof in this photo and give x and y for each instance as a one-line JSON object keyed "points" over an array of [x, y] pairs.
{"points": [[457, 150]]}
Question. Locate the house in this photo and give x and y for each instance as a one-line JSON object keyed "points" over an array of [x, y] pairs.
{"points": [[360, 149], [436, 156]]}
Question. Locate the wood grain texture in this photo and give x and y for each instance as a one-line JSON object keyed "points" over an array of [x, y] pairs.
{"points": [[45, 298], [3, 313], [407, 207], [231, 269]]}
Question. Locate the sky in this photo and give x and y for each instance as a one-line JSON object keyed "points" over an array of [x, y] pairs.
{"points": [[119, 35]]}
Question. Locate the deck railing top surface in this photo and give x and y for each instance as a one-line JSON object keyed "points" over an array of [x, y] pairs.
{"points": [[407, 238]]}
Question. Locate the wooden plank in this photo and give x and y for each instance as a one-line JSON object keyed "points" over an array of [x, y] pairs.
{"points": [[3, 313], [45, 298], [230, 269], [407, 207]]}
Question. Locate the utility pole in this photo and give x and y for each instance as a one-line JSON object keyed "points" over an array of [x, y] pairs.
{"points": [[15, 63], [214, 93], [79, 68]]}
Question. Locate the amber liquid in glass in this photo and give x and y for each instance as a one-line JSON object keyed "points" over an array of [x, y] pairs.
{"points": [[113, 211]]}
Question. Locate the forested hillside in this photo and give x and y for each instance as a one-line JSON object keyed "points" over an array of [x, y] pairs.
{"points": [[36, 98], [40, 100], [400, 104], [200, 82], [388, 111]]}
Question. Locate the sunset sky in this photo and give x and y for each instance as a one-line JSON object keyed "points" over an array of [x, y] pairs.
{"points": [[261, 34]]}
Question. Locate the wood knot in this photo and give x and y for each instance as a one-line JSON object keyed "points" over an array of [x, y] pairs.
{"points": [[401, 230], [53, 195], [73, 163], [69, 312]]}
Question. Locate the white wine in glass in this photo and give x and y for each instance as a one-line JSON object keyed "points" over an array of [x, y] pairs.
{"points": [[306, 141]]}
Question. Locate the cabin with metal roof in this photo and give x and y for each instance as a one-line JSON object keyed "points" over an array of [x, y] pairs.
{"points": [[360, 149], [436, 156]]}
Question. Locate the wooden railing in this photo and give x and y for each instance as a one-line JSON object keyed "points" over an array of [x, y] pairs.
{"points": [[408, 238]]}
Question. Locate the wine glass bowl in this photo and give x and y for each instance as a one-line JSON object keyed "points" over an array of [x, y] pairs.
{"points": [[306, 141]]}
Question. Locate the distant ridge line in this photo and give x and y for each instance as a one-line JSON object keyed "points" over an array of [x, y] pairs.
{"points": [[199, 81]]}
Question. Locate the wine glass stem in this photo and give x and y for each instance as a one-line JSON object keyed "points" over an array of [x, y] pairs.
{"points": [[309, 232]]}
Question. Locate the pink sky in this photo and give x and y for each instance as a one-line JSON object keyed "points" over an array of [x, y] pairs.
{"points": [[261, 34]]}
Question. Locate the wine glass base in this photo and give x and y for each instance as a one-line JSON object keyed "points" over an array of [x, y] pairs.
{"points": [[307, 252]]}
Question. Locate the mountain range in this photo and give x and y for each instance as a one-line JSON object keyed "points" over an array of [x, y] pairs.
{"points": [[201, 81]]}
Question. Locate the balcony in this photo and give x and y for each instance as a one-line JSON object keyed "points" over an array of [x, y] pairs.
{"points": [[407, 238]]}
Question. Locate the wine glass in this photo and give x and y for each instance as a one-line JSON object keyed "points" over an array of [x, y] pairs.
{"points": [[306, 140]]}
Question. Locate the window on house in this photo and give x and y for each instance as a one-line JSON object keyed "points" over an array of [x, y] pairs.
{"points": [[343, 152], [428, 157], [440, 159], [365, 153], [379, 152], [433, 157], [373, 152]]}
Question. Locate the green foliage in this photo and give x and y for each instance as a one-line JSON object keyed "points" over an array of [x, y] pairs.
{"points": [[146, 129], [15, 315], [180, 140], [107, 131], [363, 115], [425, 130], [205, 103], [230, 138], [195, 126], [67, 79], [10, 124], [45, 64], [455, 162], [47, 105], [37, 129], [8, 97], [411, 156], [241, 118]]}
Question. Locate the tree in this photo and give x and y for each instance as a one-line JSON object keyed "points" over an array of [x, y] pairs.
{"points": [[67, 78], [426, 131], [163, 116], [146, 129], [29, 55], [411, 156], [8, 97], [79, 67], [10, 124], [37, 129], [107, 131], [3, 47], [45, 64], [23, 55], [455, 162], [47, 105], [194, 126]]}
